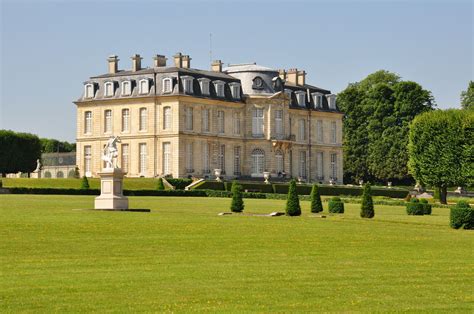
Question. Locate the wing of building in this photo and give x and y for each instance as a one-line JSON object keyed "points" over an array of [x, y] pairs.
{"points": [[244, 119]]}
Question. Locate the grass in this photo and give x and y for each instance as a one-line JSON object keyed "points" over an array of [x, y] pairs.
{"points": [[183, 257], [71, 183]]}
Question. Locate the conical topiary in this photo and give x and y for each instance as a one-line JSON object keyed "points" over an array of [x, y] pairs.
{"points": [[237, 204], [367, 208], [159, 185], [84, 183], [293, 202], [316, 204]]}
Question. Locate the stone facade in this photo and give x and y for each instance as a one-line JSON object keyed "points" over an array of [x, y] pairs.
{"points": [[249, 120]]}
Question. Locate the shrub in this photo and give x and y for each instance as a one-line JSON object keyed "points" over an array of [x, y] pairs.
{"points": [[426, 206], [336, 206], [367, 208], [414, 207], [237, 204], [461, 216], [210, 185], [159, 185], [316, 204], [85, 183], [293, 202], [179, 183]]}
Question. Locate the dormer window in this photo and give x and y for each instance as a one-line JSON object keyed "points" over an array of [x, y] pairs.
{"points": [[318, 100], [144, 87], [187, 84], [235, 90], [204, 85], [301, 97], [89, 90], [167, 85], [288, 93], [219, 86], [109, 89], [126, 88], [331, 101], [257, 83]]}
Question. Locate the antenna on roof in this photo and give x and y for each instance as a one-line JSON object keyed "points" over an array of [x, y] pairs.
{"points": [[210, 49]]}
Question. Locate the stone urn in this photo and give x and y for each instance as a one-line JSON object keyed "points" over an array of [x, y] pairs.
{"points": [[331, 181], [361, 182], [300, 180], [389, 184], [266, 176], [217, 173]]}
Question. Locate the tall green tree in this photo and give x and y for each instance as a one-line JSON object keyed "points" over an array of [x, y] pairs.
{"points": [[367, 207], [467, 97], [441, 149], [316, 204], [378, 111], [18, 152], [237, 204], [293, 202], [49, 145]]}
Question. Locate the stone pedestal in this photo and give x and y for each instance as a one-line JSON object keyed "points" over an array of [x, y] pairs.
{"points": [[111, 190]]}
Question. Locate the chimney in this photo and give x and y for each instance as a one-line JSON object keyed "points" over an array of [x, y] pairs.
{"points": [[136, 62], [159, 61], [282, 74], [186, 61], [292, 76], [113, 64], [178, 60], [216, 66], [301, 77]]}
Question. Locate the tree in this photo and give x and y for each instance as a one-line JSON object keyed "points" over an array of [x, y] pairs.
{"points": [[237, 204], [441, 149], [378, 111], [293, 202], [316, 204], [18, 152], [467, 97], [85, 183], [367, 208], [159, 185], [49, 145]]}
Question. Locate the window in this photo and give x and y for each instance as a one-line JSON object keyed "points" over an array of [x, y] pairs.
{"points": [[257, 122], [237, 151], [279, 123], [87, 160], [108, 121], [279, 162], [187, 84], [220, 122], [167, 118], [301, 97], [235, 90], [236, 123], [189, 157], [167, 85], [166, 158], [125, 153], [319, 131], [109, 89], [89, 90], [219, 86], [221, 158], [143, 123], [333, 132], [142, 159], [125, 120], [319, 165], [144, 86], [88, 122], [331, 101], [334, 166], [302, 129], [189, 118], [302, 172], [205, 158], [204, 85], [126, 88], [258, 161], [318, 100], [206, 127], [59, 174]]}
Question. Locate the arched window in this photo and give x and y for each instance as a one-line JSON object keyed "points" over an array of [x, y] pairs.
{"points": [[59, 174], [126, 88], [109, 89], [167, 85], [167, 118], [47, 174], [279, 162], [258, 161], [143, 86]]}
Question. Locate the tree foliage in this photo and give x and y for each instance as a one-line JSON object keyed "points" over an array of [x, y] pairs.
{"points": [[85, 183], [367, 207], [159, 184], [316, 204], [441, 149], [237, 204], [49, 145], [378, 111], [18, 151], [293, 202], [467, 97]]}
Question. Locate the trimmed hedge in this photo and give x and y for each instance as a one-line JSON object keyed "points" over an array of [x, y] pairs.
{"points": [[210, 185], [337, 190], [414, 207], [179, 183], [256, 187], [461, 216], [336, 206], [54, 191], [426, 206]]}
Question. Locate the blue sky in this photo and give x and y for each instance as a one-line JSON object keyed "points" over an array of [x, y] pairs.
{"points": [[49, 48]]}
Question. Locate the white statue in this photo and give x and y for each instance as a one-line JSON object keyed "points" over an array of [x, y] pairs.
{"points": [[110, 152], [38, 165]]}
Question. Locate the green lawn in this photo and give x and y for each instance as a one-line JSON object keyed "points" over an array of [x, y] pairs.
{"points": [[70, 183], [182, 257]]}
